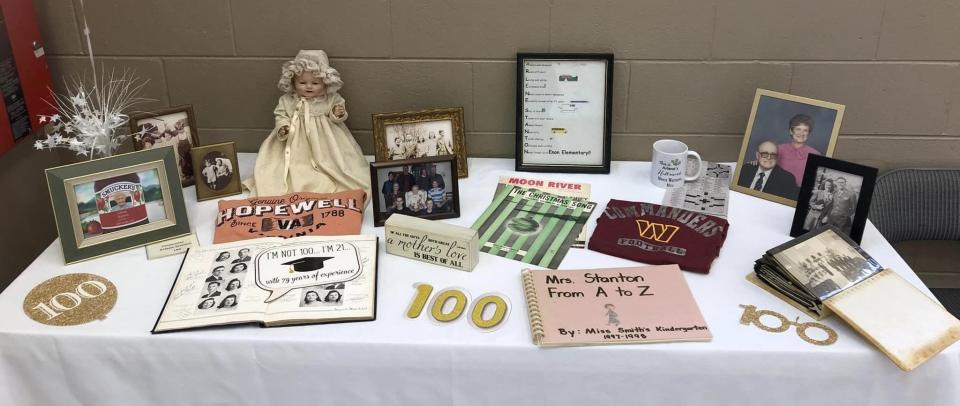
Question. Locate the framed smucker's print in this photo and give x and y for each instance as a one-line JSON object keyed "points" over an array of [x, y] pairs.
{"points": [[425, 187], [215, 170], [563, 113], [117, 203], [420, 134], [834, 193], [782, 132], [175, 126]]}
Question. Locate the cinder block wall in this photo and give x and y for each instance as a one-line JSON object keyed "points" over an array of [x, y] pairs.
{"points": [[686, 69]]}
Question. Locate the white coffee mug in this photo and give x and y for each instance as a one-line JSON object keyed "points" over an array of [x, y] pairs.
{"points": [[670, 164]]}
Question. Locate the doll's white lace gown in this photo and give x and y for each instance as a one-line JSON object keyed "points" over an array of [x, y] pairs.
{"points": [[319, 154]]}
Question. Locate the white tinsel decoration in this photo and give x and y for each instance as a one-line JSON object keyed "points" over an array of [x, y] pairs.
{"points": [[91, 119]]}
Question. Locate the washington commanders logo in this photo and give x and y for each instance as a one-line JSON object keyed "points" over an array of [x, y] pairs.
{"points": [[656, 231]]}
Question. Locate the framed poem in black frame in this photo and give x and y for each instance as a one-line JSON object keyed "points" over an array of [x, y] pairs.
{"points": [[564, 104], [112, 204], [834, 193], [423, 187]]}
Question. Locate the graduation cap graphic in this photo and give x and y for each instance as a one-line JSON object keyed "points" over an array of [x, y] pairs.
{"points": [[306, 264]]}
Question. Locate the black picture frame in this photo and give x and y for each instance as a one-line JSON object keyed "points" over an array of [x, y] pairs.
{"points": [[817, 173], [452, 186], [521, 164]]}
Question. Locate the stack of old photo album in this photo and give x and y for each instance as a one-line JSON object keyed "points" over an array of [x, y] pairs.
{"points": [[824, 272]]}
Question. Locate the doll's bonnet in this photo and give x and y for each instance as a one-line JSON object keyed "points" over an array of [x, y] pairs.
{"points": [[314, 61]]}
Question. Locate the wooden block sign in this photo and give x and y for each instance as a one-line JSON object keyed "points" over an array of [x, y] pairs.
{"points": [[432, 242]]}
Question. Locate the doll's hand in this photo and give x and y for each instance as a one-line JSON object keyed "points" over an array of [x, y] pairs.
{"points": [[339, 111], [284, 130]]}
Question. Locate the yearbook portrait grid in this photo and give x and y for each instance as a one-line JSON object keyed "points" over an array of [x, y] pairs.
{"points": [[223, 285]]}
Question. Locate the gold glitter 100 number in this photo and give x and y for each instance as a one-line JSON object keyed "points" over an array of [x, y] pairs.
{"points": [[66, 301]]}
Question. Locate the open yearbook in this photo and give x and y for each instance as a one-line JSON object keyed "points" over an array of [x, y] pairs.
{"points": [[274, 282], [647, 304], [825, 272]]}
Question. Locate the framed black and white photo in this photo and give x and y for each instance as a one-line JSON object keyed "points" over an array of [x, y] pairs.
{"points": [[215, 170], [175, 126], [564, 112], [834, 193], [782, 132], [420, 134], [424, 187]]}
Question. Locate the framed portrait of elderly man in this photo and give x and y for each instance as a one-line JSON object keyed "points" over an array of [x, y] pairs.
{"points": [[834, 193], [783, 131], [175, 126], [420, 134], [425, 187]]}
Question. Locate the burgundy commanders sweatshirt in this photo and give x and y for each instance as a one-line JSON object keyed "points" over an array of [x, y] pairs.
{"points": [[658, 235]]}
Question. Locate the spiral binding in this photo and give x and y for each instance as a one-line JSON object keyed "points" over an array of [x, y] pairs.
{"points": [[533, 306]]}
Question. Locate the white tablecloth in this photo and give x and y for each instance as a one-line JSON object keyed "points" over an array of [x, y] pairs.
{"points": [[395, 360]]}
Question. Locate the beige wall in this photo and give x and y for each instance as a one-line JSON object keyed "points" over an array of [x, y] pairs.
{"points": [[685, 69]]}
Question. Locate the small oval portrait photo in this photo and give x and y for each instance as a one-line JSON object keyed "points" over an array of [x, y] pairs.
{"points": [[217, 170]]}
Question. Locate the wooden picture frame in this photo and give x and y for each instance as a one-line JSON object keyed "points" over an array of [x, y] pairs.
{"points": [[173, 126], [216, 171], [776, 123], [112, 204], [444, 167], [564, 112], [406, 135], [823, 202]]}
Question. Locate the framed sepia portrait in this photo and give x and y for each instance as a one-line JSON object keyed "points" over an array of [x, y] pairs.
{"points": [[834, 193], [423, 187], [117, 203], [215, 169], [175, 126], [782, 132], [420, 134], [564, 104]]}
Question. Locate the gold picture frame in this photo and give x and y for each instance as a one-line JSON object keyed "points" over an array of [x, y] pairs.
{"points": [[778, 119], [113, 204], [407, 135], [216, 171]]}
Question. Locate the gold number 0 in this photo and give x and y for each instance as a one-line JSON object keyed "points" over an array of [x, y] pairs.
{"points": [[441, 299], [499, 312]]}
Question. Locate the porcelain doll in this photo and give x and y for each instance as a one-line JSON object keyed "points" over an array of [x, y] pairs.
{"points": [[310, 148]]}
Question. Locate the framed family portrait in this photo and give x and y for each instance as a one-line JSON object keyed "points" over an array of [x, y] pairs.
{"points": [[834, 193], [175, 126], [423, 187], [215, 170], [563, 113], [782, 132], [421, 134], [117, 203]]}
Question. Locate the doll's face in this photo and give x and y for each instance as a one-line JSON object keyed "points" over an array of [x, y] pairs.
{"points": [[307, 85]]}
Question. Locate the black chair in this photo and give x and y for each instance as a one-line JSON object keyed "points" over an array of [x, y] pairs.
{"points": [[918, 211]]}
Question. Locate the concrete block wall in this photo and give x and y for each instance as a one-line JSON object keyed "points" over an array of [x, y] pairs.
{"points": [[685, 69]]}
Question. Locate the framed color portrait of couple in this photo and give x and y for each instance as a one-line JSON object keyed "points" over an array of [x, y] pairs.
{"points": [[782, 132]]}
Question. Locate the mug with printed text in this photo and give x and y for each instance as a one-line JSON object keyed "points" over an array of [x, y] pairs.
{"points": [[669, 164]]}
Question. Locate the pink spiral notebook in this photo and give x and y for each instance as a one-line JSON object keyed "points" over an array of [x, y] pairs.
{"points": [[633, 305]]}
